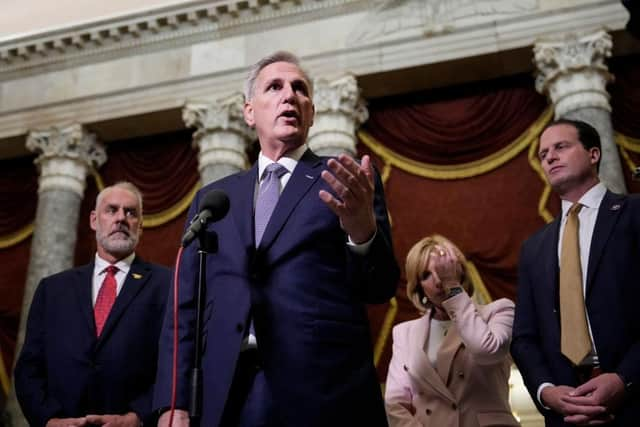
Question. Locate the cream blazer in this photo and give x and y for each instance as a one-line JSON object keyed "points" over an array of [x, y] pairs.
{"points": [[468, 386]]}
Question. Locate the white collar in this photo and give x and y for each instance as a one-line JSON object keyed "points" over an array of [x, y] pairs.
{"points": [[123, 265], [591, 199], [289, 160]]}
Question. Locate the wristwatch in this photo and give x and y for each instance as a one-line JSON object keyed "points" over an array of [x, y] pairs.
{"points": [[453, 291]]}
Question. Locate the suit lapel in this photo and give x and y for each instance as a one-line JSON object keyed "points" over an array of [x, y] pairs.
{"points": [[608, 214], [420, 361], [305, 174], [242, 204], [138, 276], [82, 286], [550, 262]]}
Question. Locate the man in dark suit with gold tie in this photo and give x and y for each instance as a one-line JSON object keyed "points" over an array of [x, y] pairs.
{"points": [[576, 335]]}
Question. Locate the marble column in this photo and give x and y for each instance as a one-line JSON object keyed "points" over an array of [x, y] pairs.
{"points": [[66, 157], [221, 136], [340, 110], [573, 73]]}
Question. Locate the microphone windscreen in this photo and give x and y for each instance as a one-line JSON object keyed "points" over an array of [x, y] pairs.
{"points": [[217, 202]]}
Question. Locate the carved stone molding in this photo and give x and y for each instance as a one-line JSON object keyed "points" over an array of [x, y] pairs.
{"points": [[66, 155], [340, 110], [208, 18], [572, 71], [221, 134]]}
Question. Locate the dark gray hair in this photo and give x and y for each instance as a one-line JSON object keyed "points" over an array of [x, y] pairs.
{"points": [[280, 56]]}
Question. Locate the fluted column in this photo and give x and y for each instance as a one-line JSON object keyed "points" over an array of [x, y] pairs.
{"points": [[573, 73], [340, 110], [221, 136], [66, 156]]}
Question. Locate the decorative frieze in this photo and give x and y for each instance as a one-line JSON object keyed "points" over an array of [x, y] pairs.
{"points": [[208, 18]]}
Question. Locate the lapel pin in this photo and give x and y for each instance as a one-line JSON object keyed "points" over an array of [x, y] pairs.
{"points": [[615, 207], [309, 176], [136, 276]]}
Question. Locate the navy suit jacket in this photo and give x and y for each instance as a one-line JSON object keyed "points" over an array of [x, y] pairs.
{"points": [[65, 371], [612, 296], [306, 291]]}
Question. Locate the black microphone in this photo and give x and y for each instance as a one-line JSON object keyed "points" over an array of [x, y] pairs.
{"points": [[214, 207]]}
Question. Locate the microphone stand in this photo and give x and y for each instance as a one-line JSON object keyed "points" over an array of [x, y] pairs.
{"points": [[208, 245]]}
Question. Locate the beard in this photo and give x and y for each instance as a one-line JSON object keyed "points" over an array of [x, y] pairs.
{"points": [[119, 242]]}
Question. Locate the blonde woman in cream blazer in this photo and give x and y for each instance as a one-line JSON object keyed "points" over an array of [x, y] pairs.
{"points": [[451, 366]]}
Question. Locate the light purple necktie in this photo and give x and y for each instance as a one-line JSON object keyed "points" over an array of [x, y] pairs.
{"points": [[268, 195]]}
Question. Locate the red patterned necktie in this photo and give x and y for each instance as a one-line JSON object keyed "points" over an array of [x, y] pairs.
{"points": [[106, 298]]}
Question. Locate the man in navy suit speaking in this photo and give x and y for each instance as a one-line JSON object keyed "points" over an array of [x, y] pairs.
{"points": [[576, 335], [91, 344], [286, 339]]}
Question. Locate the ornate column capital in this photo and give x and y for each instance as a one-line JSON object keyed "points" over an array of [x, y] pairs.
{"points": [[572, 71], [340, 110], [221, 133], [66, 155]]}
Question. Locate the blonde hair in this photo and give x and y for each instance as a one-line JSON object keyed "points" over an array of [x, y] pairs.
{"points": [[417, 260]]}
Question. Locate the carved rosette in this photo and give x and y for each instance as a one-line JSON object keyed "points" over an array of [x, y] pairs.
{"points": [[221, 134], [573, 73], [340, 110], [67, 154]]}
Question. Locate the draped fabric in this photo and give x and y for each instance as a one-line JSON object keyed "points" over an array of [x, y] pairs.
{"points": [[625, 103], [18, 201], [18, 194], [458, 125]]}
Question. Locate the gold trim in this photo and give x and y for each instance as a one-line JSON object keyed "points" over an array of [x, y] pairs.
{"points": [[4, 378], [16, 237], [385, 330], [627, 159], [160, 218], [463, 170], [98, 179], [627, 142], [478, 283]]}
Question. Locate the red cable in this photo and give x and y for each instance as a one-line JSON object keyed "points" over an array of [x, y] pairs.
{"points": [[174, 368]]}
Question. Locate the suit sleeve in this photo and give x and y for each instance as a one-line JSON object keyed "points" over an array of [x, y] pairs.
{"points": [[30, 373], [398, 395], [377, 272], [525, 346], [486, 339], [186, 325]]}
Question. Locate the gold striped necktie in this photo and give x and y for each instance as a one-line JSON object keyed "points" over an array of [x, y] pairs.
{"points": [[575, 341]]}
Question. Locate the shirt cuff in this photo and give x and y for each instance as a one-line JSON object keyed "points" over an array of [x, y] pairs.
{"points": [[361, 248], [539, 394]]}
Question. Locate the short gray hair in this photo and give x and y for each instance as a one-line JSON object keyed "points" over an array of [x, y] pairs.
{"points": [[125, 185], [280, 56]]}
